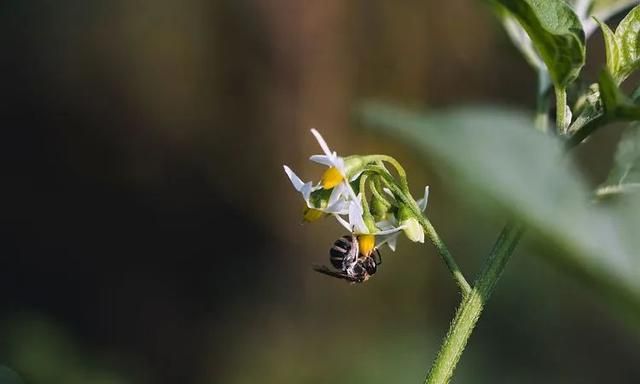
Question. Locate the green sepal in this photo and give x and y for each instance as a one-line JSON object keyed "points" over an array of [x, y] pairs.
{"points": [[354, 164], [404, 213], [320, 198]]}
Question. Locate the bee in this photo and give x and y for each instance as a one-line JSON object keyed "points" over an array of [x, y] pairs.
{"points": [[349, 263], [344, 252]]}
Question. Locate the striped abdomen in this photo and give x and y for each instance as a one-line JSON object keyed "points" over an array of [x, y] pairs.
{"points": [[342, 249]]}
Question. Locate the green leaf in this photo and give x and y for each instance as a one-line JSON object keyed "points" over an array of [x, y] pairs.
{"points": [[600, 10], [623, 46], [612, 50], [609, 93], [494, 153], [625, 175], [617, 106], [521, 40], [628, 37], [556, 33]]}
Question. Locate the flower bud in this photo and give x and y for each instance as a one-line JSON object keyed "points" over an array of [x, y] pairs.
{"points": [[379, 208], [413, 230], [410, 224], [311, 214]]}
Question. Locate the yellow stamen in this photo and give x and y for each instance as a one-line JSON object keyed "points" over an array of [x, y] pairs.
{"points": [[311, 214], [331, 177], [367, 243]]}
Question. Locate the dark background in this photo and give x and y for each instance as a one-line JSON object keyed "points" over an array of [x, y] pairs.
{"points": [[150, 235]]}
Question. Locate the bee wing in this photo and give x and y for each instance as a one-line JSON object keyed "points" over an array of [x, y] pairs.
{"points": [[325, 270]]}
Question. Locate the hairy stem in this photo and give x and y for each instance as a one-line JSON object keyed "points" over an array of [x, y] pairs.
{"points": [[444, 253], [374, 187], [563, 114], [398, 167], [471, 307], [437, 242], [469, 311], [428, 228]]}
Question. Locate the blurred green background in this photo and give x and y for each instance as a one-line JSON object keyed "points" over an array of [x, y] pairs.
{"points": [[152, 237]]}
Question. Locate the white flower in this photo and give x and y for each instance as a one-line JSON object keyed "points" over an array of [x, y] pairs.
{"points": [[422, 203], [387, 230], [330, 159], [334, 178], [336, 175], [347, 207], [356, 222], [304, 188], [412, 227], [393, 228], [336, 204]]}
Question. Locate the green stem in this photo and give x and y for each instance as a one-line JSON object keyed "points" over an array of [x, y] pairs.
{"points": [[563, 116], [586, 130], [428, 228], [366, 213], [471, 307], [374, 187], [398, 167], [444, 253]]}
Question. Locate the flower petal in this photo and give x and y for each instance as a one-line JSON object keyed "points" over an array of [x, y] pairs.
{"points": [[422, 203], [392, 242], [295, 180], [340, 207], [350, 193], [343, 222], [304, 188], [322, 159], [336, 194], [386, 227], [389, 231], [355, 176], [323, 144], [338, 200], [387, 224], [338, 162], [355, 217], [306, 191]]}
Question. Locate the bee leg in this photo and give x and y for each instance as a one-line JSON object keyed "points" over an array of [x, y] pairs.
{"points": [[378, 258]]}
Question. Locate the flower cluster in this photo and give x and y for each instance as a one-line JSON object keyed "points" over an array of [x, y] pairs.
{"points": [[363, 196]]}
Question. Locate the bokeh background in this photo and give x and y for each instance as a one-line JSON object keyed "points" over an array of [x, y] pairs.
{"points": [[150, 235]]}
